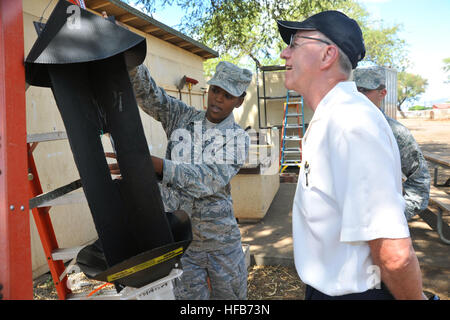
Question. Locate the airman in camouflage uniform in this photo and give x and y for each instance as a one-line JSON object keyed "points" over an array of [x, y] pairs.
{"points": [[371, 81], [204, 152]]}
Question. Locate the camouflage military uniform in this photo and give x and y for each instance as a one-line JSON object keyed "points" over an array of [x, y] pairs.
{"points": [[416, 187], [202, 189]]}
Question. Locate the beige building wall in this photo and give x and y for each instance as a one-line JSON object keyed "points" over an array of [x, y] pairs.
{"points": [[247, 115], [73, 223]]}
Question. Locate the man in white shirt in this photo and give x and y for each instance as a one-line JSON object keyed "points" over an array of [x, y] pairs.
{"points": [[351, 238]]}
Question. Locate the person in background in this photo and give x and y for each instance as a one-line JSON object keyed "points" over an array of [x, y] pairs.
{"points": [[196, 177], [351, 238], [198, 182], [371, 81]]}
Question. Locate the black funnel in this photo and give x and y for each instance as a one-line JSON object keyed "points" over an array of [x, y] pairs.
{"points": [[86, 68]]}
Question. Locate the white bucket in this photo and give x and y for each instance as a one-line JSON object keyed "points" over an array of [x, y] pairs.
{"points": [[161, 289]]}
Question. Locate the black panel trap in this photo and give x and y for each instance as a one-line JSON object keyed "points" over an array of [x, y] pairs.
{"points": [[87, 69]]}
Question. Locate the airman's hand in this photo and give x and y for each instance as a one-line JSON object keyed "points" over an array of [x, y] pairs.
{"points": [[113, 167]]}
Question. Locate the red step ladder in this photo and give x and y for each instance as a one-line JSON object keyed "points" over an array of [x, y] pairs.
{"points": [[44, 226]]}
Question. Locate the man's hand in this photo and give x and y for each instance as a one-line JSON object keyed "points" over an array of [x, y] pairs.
{"points": [[158, 165], [115, 170], [113, 167]]}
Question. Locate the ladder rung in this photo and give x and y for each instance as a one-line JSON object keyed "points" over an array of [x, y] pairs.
{"points": [[291, 161], [292, 138], [48, 136], [292, 150], [45, 199], [293, 103], [70, 198], [66, 253], [294, 115], [290, 164], [293, 126]]}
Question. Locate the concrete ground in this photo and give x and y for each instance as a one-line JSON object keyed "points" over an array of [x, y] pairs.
{"points": [[270, 238]]}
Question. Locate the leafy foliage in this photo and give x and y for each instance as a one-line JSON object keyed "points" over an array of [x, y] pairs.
{"points": [[446, 68], [410, 87], [418, 108], [245, 31]]}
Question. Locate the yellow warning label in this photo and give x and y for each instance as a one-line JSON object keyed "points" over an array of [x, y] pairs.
{"points": [[144, 265]]}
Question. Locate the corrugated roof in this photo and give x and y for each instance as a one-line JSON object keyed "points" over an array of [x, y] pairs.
{"points": [[136, 19]]}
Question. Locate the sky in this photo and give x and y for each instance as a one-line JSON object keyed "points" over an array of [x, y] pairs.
{"points": [[425, 28]]}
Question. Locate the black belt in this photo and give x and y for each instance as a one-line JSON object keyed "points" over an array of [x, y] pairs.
{"points": [[371, 294]]}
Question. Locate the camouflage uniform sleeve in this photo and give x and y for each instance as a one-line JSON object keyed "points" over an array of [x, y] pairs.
{"points": [[153, 100], [416, 187], [205, 179]]}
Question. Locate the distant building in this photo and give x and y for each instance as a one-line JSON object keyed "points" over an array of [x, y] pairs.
{"points": [[441, 106]]}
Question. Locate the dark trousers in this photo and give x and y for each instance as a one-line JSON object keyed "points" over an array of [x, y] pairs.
{"points": [[372, 294]]}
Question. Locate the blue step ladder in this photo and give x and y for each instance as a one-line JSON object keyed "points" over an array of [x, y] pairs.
{"points": [[292, 131]]}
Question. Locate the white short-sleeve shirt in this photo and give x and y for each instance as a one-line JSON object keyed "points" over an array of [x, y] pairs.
{"points": [[349, 191]]}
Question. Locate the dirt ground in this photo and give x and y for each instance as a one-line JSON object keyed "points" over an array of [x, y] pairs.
{"points": [[283, 283], [431, 135], [264, 283]]}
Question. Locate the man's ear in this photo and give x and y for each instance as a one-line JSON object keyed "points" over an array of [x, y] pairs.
{"points": [[240, 102], [383, 92], [329, 56]]}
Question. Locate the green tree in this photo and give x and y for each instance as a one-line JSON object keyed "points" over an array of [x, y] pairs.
{"points": [[410, 87], [245, 31], [446, 68]]}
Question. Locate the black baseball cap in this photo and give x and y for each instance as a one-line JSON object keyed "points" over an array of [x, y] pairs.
{"points": [[339, 28]]}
